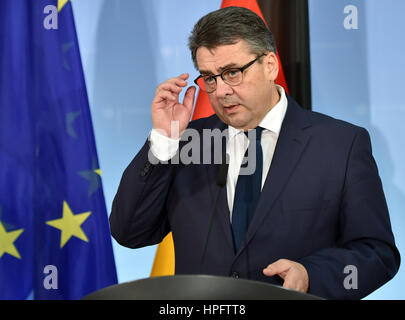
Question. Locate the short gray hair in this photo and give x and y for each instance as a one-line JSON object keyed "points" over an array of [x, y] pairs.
{"points": [[229, 25]]}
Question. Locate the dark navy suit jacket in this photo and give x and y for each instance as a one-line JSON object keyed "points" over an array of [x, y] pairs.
{"points": [[322, 205]]}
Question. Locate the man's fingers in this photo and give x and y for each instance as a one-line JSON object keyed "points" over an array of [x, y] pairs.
{"points": [[167, 86], [174, 85], [270, 272], [295, 281], [184, 76], [290, 281], [166, 106], [294, 274], [188, 101], [280, 267], [180, 80], [166, 95]]}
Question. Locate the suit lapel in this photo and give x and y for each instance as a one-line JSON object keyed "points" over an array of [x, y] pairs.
{"points": [[291, 143]]}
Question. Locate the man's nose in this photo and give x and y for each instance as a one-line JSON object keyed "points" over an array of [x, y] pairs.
{"points": [[223, 89]]}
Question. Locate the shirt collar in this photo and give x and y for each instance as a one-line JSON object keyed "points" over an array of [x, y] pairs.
{"points": [[273, 120]]}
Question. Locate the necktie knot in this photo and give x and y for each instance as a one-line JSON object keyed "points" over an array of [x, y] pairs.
{"points": [[258, 131]]}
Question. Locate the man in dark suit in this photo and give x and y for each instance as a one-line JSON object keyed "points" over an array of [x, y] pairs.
{"points": [[312, 215]]}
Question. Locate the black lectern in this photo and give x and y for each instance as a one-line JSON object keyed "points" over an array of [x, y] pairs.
{"points": [[197, 287]]}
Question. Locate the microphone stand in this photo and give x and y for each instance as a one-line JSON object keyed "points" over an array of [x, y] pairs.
{"points": [[221, 182]]}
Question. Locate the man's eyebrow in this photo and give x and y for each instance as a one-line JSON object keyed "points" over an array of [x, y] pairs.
{"points": [[228, 66]]}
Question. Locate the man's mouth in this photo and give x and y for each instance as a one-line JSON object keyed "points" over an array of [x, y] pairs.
{"points": [[231, 108]]}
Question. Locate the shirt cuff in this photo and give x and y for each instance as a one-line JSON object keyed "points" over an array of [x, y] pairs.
{"points": [[162, 147]]}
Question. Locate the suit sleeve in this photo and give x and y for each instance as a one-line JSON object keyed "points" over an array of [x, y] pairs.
{"points": [[365, 256], [138, 217]]}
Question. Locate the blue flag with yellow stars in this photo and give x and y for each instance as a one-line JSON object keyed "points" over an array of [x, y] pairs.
{"points": [[54, 234]]}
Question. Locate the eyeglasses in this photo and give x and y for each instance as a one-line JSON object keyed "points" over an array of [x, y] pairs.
{"points": [[232, 76]]}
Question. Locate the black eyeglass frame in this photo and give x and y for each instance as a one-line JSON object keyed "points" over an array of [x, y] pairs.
{"points": [[241, 69]]}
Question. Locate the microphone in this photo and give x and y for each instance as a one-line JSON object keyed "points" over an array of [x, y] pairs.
{"points": [[221, 182]]}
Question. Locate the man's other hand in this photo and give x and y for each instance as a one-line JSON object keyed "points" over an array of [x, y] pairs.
{"points": [[294, 274]]}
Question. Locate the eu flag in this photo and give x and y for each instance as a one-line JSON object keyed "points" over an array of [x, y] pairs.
{"points": [[54, 234]]}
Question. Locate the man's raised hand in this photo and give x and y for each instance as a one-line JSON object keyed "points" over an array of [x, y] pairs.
{"points": [[166, 106]]}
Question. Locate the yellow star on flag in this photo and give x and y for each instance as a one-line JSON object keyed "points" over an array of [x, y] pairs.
{"points": [[61, 4], [7, 241], [70, 224], [98, 171]]}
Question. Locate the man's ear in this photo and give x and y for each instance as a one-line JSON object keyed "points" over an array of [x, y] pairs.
{"points": [[271, 66]]}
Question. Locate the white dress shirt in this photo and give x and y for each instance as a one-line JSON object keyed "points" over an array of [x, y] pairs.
{"points": [[165, 148]]}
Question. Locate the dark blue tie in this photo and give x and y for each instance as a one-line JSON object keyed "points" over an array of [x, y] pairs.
{"points": [[247, 193]]}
